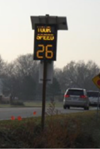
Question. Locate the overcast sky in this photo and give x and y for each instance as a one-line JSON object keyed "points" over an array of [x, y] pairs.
{"points": [[80, 42]]}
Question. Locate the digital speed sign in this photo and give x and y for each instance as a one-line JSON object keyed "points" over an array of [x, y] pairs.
{"points": [[45, 42]]}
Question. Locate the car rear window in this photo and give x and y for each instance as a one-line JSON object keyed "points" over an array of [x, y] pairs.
{"points": [[75, 92], [92, 94]]}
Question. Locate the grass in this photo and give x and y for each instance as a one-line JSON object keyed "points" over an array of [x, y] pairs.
{"points": [[31, 104], [5, 105], [9, 106], [74, 130], [39, 104]]}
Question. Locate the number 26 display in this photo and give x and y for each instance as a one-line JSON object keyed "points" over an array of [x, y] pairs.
{"points": [[45, 42]]}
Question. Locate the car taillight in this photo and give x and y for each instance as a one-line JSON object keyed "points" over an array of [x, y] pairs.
{"points": [[66, 95], [83, 96]]}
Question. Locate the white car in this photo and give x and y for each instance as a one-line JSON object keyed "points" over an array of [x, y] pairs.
{"points": [[94, 97], [76, 97]]}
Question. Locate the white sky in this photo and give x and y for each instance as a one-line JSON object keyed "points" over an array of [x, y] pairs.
{"points": [[80, 42]]}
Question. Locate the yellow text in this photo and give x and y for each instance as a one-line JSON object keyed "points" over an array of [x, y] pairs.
{"points": [[45, 37], [44, 29], [47, 49]]}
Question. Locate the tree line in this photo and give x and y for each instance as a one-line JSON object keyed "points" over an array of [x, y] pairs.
{"points": [[20, 78]]}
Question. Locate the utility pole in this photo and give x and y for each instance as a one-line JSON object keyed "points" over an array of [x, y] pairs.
{"points": [[45, 41]]}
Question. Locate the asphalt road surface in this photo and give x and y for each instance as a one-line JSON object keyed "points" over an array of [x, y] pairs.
{"points": [[6, 113]]}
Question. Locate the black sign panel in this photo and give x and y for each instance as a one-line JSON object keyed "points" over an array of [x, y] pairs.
{"points": [[45, 42]]}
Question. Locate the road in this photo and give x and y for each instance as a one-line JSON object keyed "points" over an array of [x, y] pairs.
{"points": [[6, 113]]}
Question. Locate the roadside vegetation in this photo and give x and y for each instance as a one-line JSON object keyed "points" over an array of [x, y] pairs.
{"points": [[77, 130]]}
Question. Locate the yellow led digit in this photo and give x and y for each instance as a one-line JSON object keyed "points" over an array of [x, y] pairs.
{"points": [[48, 52], [40, 51]]}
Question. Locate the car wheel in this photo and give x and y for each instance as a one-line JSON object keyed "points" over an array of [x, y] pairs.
{"points": [[64, 107], [68, 107], [86, 108]]}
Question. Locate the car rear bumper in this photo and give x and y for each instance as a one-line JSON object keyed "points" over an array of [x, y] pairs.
{"points": [[94, 104], [76, 104]]}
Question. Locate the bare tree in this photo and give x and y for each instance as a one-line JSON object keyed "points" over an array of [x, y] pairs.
{"points": [[78, 75]]}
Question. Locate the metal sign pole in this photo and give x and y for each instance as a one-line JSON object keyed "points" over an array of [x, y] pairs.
{"points": [[44, 87], [43, 94], [98, 104], [45, 43], [96, 81]]}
